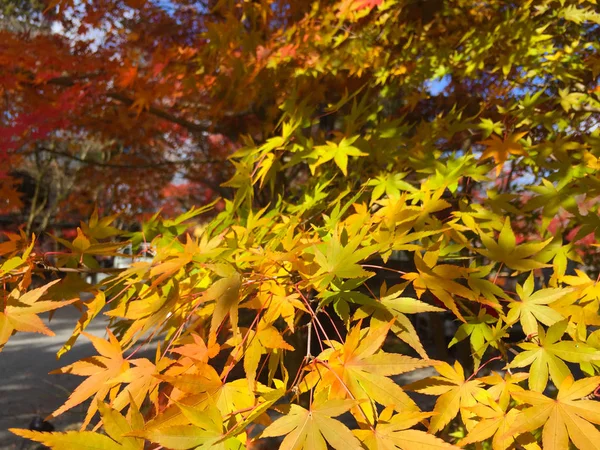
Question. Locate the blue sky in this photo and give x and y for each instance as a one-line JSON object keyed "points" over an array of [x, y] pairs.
{"points": [[437, 85]]}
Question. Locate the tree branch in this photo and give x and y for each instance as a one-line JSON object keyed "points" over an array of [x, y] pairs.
{"points": [[132, 166], [69, 81], [45, 268], [191, 126]]}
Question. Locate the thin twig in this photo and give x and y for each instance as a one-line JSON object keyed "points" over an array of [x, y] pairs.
{"points": [[389, 269], [495, 358], [308, 341], [46, 268]]}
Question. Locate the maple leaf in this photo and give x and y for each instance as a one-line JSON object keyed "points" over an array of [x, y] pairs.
{"points": [[439, 280], [83, 245], [197, 350], [12, 199], [392, 305], [517, 257], [22, 309], [142, 101], [71, 439], [94, 306], [502, 386], [17, 243], [588, 289], [314, 428], [338, 260], [550, 199], [489, 127], [226, 294], [171, 260], [500, 149], [117, 427], [140, 381], [592, 367], [101, 372], [127, 76], [393, 432], [359, 370], [197, 389], [547, 354], [431, 202], [569, 417], [100, 228], [257, 343], [339, 152], [277, 301], [12, 264], [479, 332], [481, 286], [390, 185], [533, 307], [206, 431], [455, 394], [495, 421]]}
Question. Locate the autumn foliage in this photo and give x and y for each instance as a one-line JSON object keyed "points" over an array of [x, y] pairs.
{"points": [[373, 164]]}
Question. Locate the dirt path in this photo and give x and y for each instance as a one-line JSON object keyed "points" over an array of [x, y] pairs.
{"points": [[26, 389]]}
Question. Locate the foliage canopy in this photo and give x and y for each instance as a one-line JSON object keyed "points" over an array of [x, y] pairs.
{"points": [[384, 160]]}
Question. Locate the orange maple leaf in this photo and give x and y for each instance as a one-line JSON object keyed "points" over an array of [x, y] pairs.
{"points": [[499, 149], [127, 76], [102, 374], [142, 102]]}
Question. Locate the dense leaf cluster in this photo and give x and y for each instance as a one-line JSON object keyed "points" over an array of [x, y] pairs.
{"points": [[409, 160]]}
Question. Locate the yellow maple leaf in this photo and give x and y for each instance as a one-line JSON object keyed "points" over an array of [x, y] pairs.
{"points": [[21, 312], [569, 417], [359, 370], [396, 433], [456, 394], [314, 428]]}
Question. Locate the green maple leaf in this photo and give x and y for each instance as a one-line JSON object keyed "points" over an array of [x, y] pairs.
{"points": [[579, 15], [337, 260], [547, 355], [390, 184], [205, 431], [479, 331], [489, 126], [339, 152], [506, 250]]}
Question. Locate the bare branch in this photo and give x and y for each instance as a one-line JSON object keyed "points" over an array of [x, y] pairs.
{"points": [[133, 166]]}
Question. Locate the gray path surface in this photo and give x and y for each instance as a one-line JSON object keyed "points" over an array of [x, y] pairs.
{"points": [[26, 388]]}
